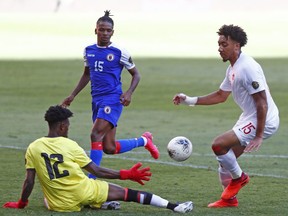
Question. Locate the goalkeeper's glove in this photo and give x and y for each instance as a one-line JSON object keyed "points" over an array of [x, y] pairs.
{"points": [[20, 204], [136, 174]]}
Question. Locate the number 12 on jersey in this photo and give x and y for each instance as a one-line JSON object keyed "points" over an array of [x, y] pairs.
{"points": [[52, 169]]}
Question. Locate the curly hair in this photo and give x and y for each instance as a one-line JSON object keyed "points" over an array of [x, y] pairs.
{"points": [[57, 114], [106, 18], [236, 33]]}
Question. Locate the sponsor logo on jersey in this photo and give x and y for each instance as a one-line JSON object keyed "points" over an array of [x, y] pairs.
{"points": [[90, 55], [255, 85], [110, 57], [107, 109]]}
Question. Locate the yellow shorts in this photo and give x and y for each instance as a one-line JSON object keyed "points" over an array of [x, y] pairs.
{"points": [[92, 192], [98, 194]]}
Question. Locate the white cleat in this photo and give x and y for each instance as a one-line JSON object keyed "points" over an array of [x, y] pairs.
{"points": [[184, 207], [111, 205]]}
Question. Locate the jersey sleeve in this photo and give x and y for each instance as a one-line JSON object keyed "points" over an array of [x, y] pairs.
{"points": [[85, 58], [126, 59], [254, 79], [28, 159], [80, 156], [226, 84]]}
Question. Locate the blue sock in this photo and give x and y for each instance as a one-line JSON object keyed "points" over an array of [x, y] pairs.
{"points": [[96, 157], [122, 146], [126, 145]]}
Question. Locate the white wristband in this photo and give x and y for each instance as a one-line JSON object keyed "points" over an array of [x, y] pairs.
{"points": [[190, 101]]}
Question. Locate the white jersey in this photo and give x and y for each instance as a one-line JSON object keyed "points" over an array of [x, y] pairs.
{"points": [[245, 78]]}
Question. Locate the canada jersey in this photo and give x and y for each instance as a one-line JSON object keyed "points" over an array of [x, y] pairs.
{"points": [[58, 163], [245, 78], [106, 65]]}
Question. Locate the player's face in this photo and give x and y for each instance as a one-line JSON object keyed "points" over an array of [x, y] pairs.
{"points": [[104, 31], [228, 49]]}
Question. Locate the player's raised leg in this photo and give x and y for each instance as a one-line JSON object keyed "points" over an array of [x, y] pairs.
{"points": [[126, 145]]}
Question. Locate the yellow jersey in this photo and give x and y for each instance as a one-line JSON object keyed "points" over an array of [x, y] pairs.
{"points": [[58, 162]]}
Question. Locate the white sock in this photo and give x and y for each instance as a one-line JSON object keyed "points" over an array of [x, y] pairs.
{"points": [[229, 162], [224, 176], [158, 201], [145, 140]]}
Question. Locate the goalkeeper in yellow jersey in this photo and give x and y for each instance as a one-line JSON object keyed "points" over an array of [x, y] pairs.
{"points": [[58, 162]]}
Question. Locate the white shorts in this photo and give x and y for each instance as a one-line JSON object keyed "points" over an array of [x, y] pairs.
{"points": [[246, 130]]}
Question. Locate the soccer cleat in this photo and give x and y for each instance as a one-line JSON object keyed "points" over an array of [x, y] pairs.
{"points": [[111, 205], [150, 146], [234, 186], [184, 207], [222, 203]]}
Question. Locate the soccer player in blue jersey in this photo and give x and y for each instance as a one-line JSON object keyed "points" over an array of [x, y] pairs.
{"points": [[104, 63]]}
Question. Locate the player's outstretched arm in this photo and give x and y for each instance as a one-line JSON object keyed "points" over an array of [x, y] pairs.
{"points": [[216, 97], [184, 99], [135, 173], [84, 80]]}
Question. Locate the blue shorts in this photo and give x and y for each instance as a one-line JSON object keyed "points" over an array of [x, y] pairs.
{"points": [[106, 111]]}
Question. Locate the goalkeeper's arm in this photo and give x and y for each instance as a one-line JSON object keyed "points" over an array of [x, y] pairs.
{"points": [[26, 191], [135, 173]]}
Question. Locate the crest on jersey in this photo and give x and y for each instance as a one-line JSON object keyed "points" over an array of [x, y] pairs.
{"points": [[110, 57], [107, 109], [255, 85]]}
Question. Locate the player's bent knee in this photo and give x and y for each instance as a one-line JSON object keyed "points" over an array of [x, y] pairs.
{"points": [[96, 136], [110, 150], [217, 149]]}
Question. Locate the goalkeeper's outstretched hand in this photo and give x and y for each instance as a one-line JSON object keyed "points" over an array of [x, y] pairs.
{"points": [[20, 204], [136, 174]]}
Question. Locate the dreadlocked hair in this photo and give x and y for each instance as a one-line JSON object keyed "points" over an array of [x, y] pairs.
{"points": [[57, 114], [106, 18], [236, 33]]}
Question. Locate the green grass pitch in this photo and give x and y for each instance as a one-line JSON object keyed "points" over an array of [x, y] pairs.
{"points": [[28, 88]]}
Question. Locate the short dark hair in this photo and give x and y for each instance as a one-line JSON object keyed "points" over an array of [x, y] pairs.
{"points": [[57, 114], [236, 33], [106, 18]]}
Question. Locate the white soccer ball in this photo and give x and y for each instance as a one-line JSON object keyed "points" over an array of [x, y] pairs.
{"points": [[180, 148]]}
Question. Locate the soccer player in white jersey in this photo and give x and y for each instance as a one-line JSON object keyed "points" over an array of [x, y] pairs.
{"points": [[259, 119], [58, 162], [103, 65]]}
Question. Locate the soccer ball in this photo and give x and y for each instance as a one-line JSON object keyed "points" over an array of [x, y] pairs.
{"points": [[179, 148]]}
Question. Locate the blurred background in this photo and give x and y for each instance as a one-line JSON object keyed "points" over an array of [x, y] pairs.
{"points": [[54, 29]]}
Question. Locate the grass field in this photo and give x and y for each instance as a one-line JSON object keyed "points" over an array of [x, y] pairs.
{"points": [[28, 88]]}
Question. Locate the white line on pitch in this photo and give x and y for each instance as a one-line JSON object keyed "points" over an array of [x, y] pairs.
{"points": [[180, 164]]}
